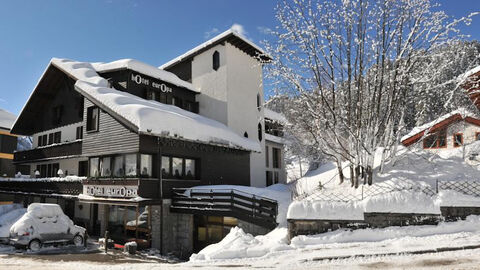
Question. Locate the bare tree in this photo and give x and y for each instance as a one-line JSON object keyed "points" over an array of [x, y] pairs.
{"points": [[348, 67]]}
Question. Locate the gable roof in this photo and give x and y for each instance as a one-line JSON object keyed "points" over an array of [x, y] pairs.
{"points": [[419, 132], [6, 119], [145, 69], [229, 36], [150, 117]]}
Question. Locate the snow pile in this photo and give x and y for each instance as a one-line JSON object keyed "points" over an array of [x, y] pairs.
{"points": [[150, 117], [238, 244], [278, 192], [325, 210], [6, 119], [391, 202], [370, 235], [454, 198], [27, 178], [42, 218], [461, 111], [9, 214], [275, 116], [146, 69]]}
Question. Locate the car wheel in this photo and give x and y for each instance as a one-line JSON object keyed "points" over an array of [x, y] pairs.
{"points": [[35, 245], [78, 240]]}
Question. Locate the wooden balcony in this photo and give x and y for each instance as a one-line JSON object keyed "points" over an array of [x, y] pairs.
{"points": [[53, 151], [41, 186]]}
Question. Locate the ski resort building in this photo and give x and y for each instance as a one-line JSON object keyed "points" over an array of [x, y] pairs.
{"points": [[119, 144], [8, 144], [449, 131]]}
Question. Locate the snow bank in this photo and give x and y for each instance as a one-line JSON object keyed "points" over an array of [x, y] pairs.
{"points": [[392, 202], [6, 119], [370, 235], [150, 117], [8, 219], [238, 244], [454, 198], [325, 210]]}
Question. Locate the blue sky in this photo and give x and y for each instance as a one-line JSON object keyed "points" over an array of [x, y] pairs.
{"points": [[32, 32]]}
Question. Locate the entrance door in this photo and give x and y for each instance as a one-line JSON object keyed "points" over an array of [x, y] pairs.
{"points": [[211, 230]]}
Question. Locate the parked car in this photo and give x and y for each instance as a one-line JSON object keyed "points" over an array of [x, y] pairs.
{"points": [[45, 223]]}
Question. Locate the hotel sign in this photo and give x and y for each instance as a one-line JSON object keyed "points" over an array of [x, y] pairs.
{"points": [[110, 191], [138, 79]]}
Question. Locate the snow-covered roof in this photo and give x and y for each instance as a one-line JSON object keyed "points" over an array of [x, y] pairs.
{"points": [[6, 119], [275, 116], [467, 74], [461, 111], [211, 42], [151, 117], [275, 139], [145, 69]]}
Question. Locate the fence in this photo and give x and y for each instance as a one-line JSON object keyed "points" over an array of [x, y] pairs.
{"points": [[471, 188]]}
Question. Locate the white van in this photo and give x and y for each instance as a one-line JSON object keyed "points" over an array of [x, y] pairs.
{"points": [[42, 224]]}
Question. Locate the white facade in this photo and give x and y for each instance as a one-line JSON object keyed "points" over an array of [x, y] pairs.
{"points": [[469, 134], [69, 133], [229, 95]]}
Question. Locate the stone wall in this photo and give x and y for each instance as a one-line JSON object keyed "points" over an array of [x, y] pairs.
{"points": [[309, 227], [177, 234], [252, 228], [382, 220], [451, 213]]}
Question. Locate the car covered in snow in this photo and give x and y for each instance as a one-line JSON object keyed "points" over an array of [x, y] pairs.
{"points": [[45, 223]]}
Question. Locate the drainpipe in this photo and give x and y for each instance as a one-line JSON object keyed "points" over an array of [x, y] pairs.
{"points": [[160, 181]]}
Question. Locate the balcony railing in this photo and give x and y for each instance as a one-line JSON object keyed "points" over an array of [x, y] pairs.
{"points": [[41, 186], [52, 151]]}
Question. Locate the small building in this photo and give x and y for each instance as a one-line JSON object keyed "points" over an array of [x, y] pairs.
{"points": [[8, 144], [124, 137], [446, 132]]}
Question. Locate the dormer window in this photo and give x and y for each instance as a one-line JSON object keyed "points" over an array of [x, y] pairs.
{"points": [[259, 103], [260, 133], [216, 60], [92, 118]]}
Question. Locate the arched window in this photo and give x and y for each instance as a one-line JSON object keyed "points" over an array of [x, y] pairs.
{"points": [[259, 102], [216, 60], [260, 133], [245, 134]]}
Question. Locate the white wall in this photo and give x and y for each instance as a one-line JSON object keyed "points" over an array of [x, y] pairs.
{"points": [[467, 129], [69, 133], [70, 165]]}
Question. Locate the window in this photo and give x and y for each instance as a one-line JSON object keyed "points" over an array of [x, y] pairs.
{"points": [[82, 168], [245, 134], [259, 103], [437, 140], [260, 132], [145, 165], [151, 95], [57, 137], [477, 136], [166, 172], [178, 102], [118, 170], [79, 133], [275, 177], [190, 168], [177, 167], [457, 139], [92, 118], [50, 138], [105, 167], [276, 156], [94, 167], [269, 177], [42, 140], [163, 98], [216, 60], [267, 161], [131, 165]]}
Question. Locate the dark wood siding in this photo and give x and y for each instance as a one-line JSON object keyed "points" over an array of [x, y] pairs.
{"points": [[111, 138], [183, 70], [218, 165]]}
